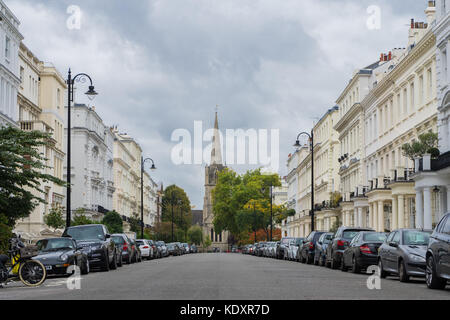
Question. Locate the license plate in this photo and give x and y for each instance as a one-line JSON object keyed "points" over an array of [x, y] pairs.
{"points": [[48, 267]]}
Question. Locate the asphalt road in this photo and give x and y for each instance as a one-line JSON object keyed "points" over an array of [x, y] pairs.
{"points": [[220, 276]]}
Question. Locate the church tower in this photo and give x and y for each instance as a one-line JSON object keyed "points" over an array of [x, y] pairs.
{"points": [[219, 240]]}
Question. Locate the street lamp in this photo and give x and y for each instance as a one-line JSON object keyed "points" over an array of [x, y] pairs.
{"points": [[298, 145], [142, 190], [91, 94]]}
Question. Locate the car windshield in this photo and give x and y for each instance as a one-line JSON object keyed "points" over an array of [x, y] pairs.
{"points": [[327, 238], [54, 244], [286, 240], [350, 234], [416, 238], [86, 233], [118, 240], [375, 236], [141, 243]]}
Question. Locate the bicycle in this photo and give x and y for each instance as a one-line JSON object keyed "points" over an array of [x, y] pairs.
{"points": [[31, 272]]}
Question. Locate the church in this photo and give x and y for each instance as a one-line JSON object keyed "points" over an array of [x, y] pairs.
{"points": [[219, 240]]}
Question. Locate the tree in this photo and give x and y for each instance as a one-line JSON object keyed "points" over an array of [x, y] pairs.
{"points": [[5, 234], [113, 221], [80, 219], [195, 235], [54, 219], [207, 242], [22, 169], [135, 223], [235, 197], [336, 225], [176, 198], [427, 143]]}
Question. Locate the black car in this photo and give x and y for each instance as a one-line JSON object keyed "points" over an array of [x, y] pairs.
{"points": [[308, 249], [59, 254], [96, 243], [174, 249], [339, 243], [123, 244], [283, 247], [321, 248], [438, 255], [403, 253], [362, 251]]}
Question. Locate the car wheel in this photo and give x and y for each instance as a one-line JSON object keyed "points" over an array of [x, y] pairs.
{"points": [[85, 268], [322, 261], [355, 267], [343, 267], [316, 261], [334, 263], [302, 259], [383, 274], [308, 259], [114, 262], [106, 262], [120, 264], [432, 279], [402, 274], [128, 259]]}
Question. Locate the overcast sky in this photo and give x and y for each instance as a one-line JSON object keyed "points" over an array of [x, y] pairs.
{"points": [[159, 65]]}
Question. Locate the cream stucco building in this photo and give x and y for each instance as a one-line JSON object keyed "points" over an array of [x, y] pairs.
{"points": [[40, 104]]}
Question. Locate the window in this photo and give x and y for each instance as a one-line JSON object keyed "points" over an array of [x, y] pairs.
{"points": [[421, 92], [405, 102], [446, 227], [411, 97], [396, 237], [7, 47], [430, 78], [22, 71]]}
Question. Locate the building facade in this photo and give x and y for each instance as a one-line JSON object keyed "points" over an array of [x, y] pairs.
{"points": [[92, 163], [432, 176], [10, 75], [40, 100]]}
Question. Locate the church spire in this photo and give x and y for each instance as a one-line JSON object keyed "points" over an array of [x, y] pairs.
{"points": [[216, 151]]}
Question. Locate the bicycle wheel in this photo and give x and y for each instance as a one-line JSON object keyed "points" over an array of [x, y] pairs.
{"points": [[32, 273]]}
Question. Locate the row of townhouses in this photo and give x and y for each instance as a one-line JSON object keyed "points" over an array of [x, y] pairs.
{"points": [[362, 176], [106, 164]]}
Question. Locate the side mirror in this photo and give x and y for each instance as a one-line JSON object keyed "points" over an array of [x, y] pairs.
{"points": [[79, 248], [107, 236], [393, 244], [319, 242]]}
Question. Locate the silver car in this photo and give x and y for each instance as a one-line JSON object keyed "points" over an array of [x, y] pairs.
{"points": [[293, 247], [403, 253]]}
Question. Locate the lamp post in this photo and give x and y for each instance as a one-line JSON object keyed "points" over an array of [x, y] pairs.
{"points": [[271, 213], [173, 200], [254, 219], [298, 145], [142, 190], [81, 77]]}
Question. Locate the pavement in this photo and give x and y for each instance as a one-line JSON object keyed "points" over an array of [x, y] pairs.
{"points": [[224, 276]]}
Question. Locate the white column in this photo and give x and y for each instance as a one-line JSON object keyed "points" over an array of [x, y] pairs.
{"points": [[355, 217], [360, 217], [370, 216], [427, 217], [443, 202], [395, 215], [375, 216], [401, 211], [419, 208], [380, 216]]}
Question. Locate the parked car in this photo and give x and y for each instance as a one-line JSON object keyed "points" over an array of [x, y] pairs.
{"points": [[193, 249], [321, 248], [58, 254], [162, 248], [155, 249], [282, 248], [362, 251], [146, 248], [438, 255], [123, 245], [96, 243], [308, 249], [340, 241], [174, 249], [137, 255], [403, 254], [185, 247], [293, 247], [271, 250]]}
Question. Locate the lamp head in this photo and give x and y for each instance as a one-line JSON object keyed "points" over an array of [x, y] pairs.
{"points": [[297, 144], [91, 93]]}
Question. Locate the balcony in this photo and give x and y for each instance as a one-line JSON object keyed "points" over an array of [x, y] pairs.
{"points": [[35, 125]]}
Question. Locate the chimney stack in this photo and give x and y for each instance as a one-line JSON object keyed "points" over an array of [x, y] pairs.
{"points": [[431, 13], [412, 23]]}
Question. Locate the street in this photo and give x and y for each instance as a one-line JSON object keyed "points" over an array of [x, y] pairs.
{"points": [[220, 276]]}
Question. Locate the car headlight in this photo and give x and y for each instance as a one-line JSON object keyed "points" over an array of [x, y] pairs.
{"points": [[64, 257], [416, 258]]}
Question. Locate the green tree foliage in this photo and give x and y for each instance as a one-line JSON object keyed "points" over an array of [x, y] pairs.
{"points": [[284, 214], [176, 198], [5, 234], [135, 223], [54, 219], [195, 235], [113, 221], [207, 242], [21, 172], [242, 202], [80, 219], [427, 143]]}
